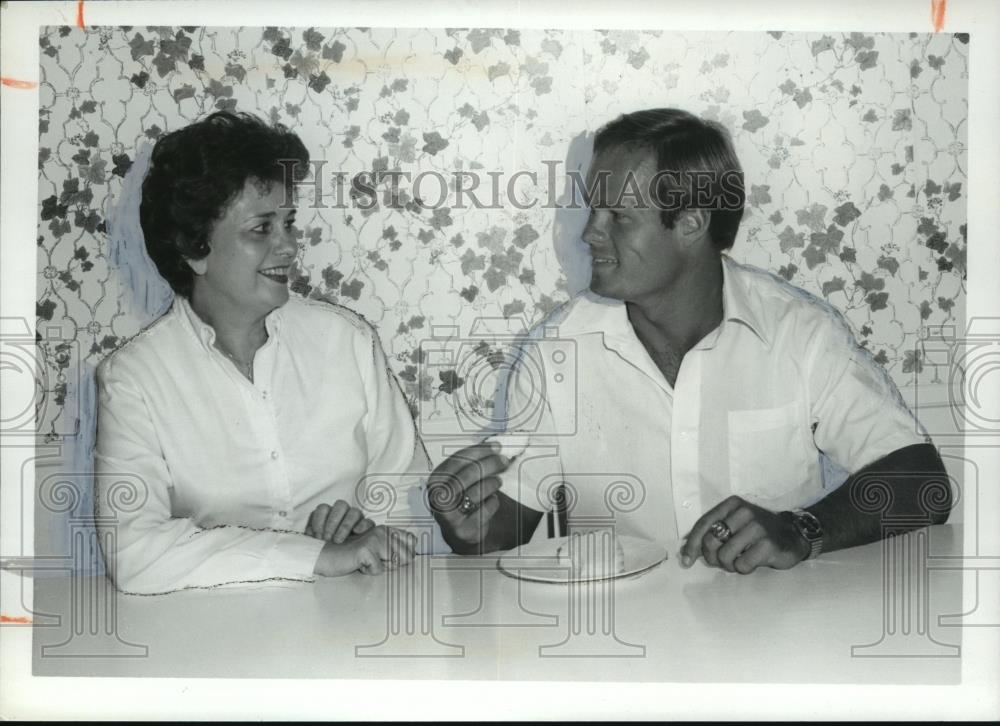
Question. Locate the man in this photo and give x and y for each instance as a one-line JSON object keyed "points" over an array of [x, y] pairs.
{"points": [[710, 389]]}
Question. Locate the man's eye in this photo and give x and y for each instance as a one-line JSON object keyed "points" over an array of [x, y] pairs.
{"points": [[262, 228], [289, 223]]}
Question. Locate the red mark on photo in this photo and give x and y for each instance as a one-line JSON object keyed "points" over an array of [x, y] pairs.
{"points": [[14, 83], [79, 13], [938, 8], [15, 619]]}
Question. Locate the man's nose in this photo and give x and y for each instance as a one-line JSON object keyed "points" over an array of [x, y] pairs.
{"points": [[595, 232]]}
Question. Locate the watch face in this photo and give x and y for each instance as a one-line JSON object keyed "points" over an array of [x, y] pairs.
{"points": [[809, 524]]}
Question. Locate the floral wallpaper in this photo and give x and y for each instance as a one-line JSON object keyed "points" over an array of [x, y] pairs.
{"points": [[854, 147]]}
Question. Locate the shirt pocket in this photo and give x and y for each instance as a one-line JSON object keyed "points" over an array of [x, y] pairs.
{"points": [[768, 453]]}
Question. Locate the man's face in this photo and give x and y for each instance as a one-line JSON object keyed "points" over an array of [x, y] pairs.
{"points": [[634, 257]]}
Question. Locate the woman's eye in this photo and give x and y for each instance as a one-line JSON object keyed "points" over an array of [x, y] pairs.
{"points": [[289, 224], [263, 228]]}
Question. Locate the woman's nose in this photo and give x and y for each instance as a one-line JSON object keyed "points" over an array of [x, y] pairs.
{"points": [[288, 244]]}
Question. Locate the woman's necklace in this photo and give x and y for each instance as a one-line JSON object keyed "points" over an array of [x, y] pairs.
{"points": [[245, 368]]}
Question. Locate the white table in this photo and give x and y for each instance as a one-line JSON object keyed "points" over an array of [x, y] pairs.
{"points": [[453, 617]]}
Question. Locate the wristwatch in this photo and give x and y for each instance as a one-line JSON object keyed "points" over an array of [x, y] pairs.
{"points": [[810, 529]]}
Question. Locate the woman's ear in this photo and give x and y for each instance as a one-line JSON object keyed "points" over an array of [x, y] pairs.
{"points": [[200, 266]]}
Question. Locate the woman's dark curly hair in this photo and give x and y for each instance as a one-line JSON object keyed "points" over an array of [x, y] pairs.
{"points": [[194, 174]]}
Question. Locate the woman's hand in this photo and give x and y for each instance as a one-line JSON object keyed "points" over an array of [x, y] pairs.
{"points": [[337, 523], [372, 552]]}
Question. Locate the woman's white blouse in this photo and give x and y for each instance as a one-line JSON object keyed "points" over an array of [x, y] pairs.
{"points": [[204, 478]]}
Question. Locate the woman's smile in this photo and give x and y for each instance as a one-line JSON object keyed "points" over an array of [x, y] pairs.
{"points": [[277, 274]]}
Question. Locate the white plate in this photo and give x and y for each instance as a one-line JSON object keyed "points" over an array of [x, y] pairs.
{"points": [[537, 561]]}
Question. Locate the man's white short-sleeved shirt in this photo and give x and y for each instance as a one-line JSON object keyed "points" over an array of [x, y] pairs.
{"points": [[755, 404]]}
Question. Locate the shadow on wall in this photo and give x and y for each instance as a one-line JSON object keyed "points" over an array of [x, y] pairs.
{"points": [[571, 217], [143, 296]]}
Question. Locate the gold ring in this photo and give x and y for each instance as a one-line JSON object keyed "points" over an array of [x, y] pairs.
{"points": [[721, 531]]}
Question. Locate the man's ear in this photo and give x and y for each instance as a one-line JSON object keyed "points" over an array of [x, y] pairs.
{"points": [[200, 266], [693, 226]]}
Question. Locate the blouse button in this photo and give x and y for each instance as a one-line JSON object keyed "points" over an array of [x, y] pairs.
{"points": [[274, 455], [282, 513]]}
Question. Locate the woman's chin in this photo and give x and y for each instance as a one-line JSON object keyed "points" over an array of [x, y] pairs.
{"points": [[275, 288], [273, 297], [281, 296]]}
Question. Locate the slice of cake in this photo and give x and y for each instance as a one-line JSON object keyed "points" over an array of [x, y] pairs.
{"points": [[592, 555]]}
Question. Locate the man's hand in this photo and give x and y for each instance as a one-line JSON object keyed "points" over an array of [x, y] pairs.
{"points": [[372, 552], [337, 523], [463, 493], [761, 538]]}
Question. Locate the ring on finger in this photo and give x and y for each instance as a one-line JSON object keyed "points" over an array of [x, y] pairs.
{"points": [[720, 530], [467, 506]]}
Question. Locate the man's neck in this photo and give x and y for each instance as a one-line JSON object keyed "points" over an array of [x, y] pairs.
{"points": [[680, 317]]}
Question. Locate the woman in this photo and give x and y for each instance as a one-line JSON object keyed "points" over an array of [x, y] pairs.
{"points": [[237, 416]]}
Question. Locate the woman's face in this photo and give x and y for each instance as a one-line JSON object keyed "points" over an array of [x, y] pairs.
{"points": [[251, 248]]}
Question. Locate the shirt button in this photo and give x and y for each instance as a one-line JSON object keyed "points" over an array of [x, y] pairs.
{"points": [[263, 394], [686, 504], [274, 455], [282, 513]]}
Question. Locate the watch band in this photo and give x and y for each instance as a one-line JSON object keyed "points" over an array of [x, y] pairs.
{"points": [[810, 529]]}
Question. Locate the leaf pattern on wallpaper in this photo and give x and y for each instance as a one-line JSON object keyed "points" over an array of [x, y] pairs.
{"points": [[855, 169]]}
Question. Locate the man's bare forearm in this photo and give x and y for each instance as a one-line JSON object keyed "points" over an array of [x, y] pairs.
{"points": [[909, 486]]}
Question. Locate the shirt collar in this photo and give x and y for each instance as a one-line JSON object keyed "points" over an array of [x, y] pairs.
{"points": [[738, 302], [592, 313], [206, 333], [589, 312]]}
